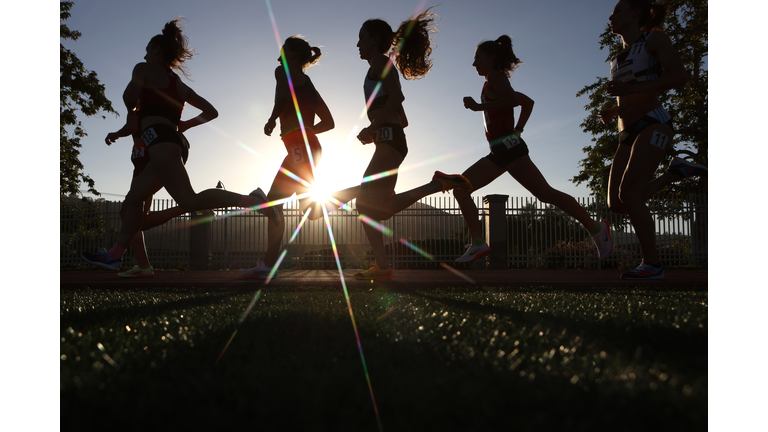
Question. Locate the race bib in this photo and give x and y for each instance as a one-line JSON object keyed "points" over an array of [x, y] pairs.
{"points": [[138, 152], [297, 155], [148, 136], [384, 134], [659, 140], [511, 141]]}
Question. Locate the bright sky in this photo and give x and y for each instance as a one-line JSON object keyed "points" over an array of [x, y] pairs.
{"points": [[236, 55]]}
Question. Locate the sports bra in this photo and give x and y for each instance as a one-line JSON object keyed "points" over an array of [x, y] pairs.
{"points": [[162, 102], [635, 65], [497, 121]]}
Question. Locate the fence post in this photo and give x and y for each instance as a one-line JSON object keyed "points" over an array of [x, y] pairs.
{"points": [[496, 230], [200, 234]]}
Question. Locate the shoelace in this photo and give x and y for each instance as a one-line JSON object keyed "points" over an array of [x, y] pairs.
{"points": [[642, 267]]}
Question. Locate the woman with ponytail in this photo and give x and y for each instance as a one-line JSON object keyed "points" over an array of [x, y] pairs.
{"points": [[140, 159], [648, 65], [296, 56], [494, 60], [389, 54], [163, 96]]}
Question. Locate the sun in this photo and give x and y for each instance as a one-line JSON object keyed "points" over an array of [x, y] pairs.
{"points": [[320, 192]]}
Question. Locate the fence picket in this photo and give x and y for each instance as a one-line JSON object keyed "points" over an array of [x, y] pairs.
{"points": [[536, 235]]}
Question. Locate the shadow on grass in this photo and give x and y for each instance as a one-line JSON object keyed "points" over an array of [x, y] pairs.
{"points": [[113, 303], [293, 364], [656, 341]]}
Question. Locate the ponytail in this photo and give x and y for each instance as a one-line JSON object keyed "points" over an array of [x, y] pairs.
{"points": [[316, 54], [652, 14], [174, 46], [411, 43], [504, 58], [308, 56]]}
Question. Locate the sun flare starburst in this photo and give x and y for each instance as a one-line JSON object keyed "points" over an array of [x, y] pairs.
{"points": [[319, 192]]}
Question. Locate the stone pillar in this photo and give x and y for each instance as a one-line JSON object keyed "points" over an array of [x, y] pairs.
{"points": [[200, 239], [496, 231]]}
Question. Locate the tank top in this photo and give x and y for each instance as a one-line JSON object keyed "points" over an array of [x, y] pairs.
{"points": [[376, 89], [497, 121], [635, 65], [307, 98], [163, 102]]}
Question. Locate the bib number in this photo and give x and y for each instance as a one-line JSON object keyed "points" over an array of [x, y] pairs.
{"points": [[384, 134], [148, 136], [511, 141], [138, 152], [297, 155], [659, 140]]}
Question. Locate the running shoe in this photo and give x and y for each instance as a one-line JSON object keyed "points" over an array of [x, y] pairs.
{"points": [[645, 271], [374, 272], [686, 169], [261, 271], [102, 259], [261, 198], [138, 272], [473, 253], [603, 240], [452, 181]]}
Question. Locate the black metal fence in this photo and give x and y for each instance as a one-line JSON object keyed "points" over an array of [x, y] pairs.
{"points": [[426, 234]]}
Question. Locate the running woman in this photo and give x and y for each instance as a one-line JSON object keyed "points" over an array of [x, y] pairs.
{"points": [[298, 57], [390, 54], [494, 60], [163, 97], [140, 159], [647, 65]]}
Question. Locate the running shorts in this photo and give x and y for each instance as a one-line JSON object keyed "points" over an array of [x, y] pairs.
{"points": [[160, 133], [393, 135], [297, 162], [630, 133], [506, 148]]}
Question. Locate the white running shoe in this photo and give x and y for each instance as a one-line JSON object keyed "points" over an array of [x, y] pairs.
{"points": [[603, 240], [261, 271], [473, 253], [138, 272]]}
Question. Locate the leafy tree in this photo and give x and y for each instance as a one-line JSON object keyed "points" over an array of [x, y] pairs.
{"points": [[80, 89], [81, 222], [687, 26]]}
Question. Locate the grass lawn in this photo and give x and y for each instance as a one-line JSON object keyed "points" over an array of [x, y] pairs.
{"points": [[468, 359]]}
